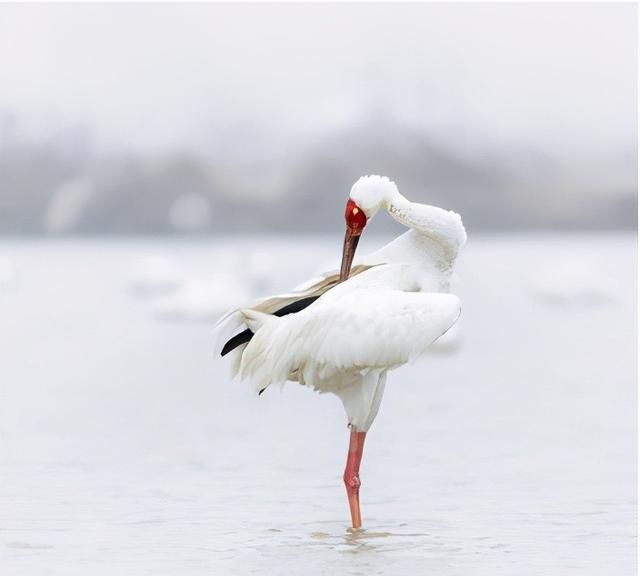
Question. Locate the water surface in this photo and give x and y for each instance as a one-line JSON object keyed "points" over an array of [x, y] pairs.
{"points": [[124, 448]]}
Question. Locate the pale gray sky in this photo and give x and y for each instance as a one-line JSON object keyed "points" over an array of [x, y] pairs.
{"points": [[560, 77]]}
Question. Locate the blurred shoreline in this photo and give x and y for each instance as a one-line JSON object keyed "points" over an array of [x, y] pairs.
{"points": [[284, 236], [62, 185]]}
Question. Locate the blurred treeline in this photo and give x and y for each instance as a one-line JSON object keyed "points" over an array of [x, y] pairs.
{"points": [[61, 184]]}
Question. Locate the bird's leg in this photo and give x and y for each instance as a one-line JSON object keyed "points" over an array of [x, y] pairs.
{"points": [[352, 475]]}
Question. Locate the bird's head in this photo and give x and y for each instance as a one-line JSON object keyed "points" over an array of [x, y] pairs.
{"points": [[367, 196]]}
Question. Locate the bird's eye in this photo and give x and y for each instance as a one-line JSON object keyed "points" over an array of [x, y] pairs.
{"points": [[355, 217]]}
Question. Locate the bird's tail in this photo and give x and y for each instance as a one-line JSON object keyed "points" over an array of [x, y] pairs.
{"points": [[255, 319], [263, 361], [229, 325]]}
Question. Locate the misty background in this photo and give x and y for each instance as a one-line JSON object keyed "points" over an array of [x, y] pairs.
{"points": [[160, 165], [217, 118]]}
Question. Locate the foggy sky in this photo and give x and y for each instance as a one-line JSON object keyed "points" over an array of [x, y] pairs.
{"points": [[156, 77]]}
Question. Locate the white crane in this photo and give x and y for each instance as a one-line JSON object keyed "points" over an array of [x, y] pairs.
{"points": [[343, 332]]}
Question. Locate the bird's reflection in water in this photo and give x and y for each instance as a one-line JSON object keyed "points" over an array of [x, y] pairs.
{"points": [[362, 540], [359, 540]]}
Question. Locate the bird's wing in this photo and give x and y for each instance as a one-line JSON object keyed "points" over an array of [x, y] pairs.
{"points": [[233, 322], [314, 287], [379, 327], [349, 331]]}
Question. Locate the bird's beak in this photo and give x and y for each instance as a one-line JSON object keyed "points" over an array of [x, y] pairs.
{"points": [[351, 240]]}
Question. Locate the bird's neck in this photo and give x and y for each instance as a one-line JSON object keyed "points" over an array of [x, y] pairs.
{"points": [[441, 229]]}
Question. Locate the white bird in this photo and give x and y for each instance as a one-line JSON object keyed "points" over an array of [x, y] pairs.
{"points": [[343, 332], [203, 298], [179, 294], [156, 274], [7, 270]]}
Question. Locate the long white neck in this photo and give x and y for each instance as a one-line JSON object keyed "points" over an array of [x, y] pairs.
{"points": [[441, 229]]}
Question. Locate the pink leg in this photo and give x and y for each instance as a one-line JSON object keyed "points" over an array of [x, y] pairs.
{"points": [[352, 475]]}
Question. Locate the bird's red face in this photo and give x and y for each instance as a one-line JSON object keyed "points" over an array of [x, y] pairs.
{"points": [[356, 220]]}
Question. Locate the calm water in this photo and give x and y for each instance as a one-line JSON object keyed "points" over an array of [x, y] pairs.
{"points": [[124, 449]]}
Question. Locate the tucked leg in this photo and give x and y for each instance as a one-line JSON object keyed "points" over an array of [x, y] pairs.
{"points": [[352, 475]]}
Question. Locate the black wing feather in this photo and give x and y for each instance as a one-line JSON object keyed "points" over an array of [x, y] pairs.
{"points": [[246, 335]]}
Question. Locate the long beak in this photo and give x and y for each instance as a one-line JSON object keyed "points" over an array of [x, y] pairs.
{"points": [[348, 252]]}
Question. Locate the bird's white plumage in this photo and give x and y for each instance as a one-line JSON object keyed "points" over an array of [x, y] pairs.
{"points": [[371, 192], [393, 306], [345, 335]]}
